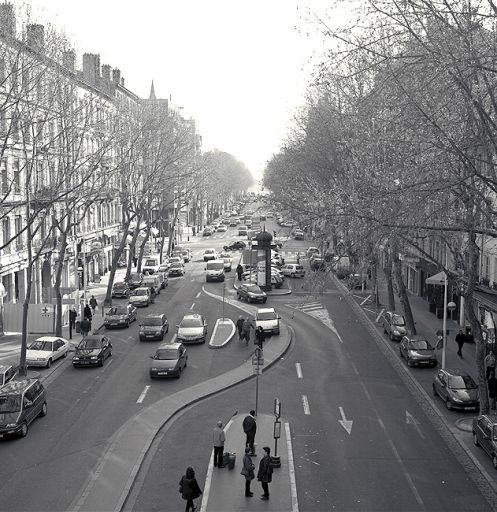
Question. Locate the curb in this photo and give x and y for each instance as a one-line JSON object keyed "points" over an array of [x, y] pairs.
{"points": [[222, 321]]}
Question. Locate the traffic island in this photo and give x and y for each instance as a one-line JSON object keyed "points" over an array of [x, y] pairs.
{"points": [[222, 333]]}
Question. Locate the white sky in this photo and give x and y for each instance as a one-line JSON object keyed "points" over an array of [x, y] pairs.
{"points": [[239, 68]]}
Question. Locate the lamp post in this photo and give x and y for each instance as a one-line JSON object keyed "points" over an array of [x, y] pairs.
{"points": [[450, 306]]}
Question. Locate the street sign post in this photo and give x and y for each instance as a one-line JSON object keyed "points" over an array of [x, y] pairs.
{"points": [[257, 362]]}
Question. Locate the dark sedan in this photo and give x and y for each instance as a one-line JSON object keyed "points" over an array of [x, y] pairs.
{"points": [[239, 244], [176, 269], [457, 389], [92, 351], [417, 352], [394, 325], [120, 316], [120, 290], [251, 293], [169, 360], [135, 280], [154, 327]]}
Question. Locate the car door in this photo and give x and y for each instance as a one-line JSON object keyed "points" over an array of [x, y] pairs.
{"points": [[28, 405], [485, 437], [58, 349], [441, 383], [182, 356]]}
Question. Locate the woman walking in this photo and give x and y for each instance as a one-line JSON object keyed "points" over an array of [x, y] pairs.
{"points": [[189, 489], [248, 472]]}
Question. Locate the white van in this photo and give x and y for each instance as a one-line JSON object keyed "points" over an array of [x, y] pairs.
{"points": [[214, 270], [153, 282], [151, 264]]}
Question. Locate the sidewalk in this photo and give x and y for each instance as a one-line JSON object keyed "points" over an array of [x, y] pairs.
{"points": [[226, 492]]}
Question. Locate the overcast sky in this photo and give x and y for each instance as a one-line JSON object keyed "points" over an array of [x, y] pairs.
{"points": [[238, 67]]}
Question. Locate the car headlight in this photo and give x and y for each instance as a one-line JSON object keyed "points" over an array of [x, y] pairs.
{"points": [[10, 425], [456, 399], [155, 369], [75, 358], [40, 358], [94, 357], [123, 317], [396, 333]]}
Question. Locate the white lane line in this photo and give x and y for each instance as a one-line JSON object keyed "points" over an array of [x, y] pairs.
{"points": [[298, 367], [192, 306], [291, 469], [142, 396], [198, 295], [173, 339], [305, 403]]}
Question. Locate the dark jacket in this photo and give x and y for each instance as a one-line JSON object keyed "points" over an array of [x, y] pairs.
{"points": [[265, 473], [239, 324], [460, 338], [85, 325], [189, 488], [93, 302], [248, 468], [249, 424], [260, 335], [73, 314], [492, 387], [87, 312], [239, 269]]}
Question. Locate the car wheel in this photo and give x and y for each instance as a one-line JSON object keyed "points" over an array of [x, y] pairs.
{"points": [[264, 301], [167, 328], [179, 373], [494, 461], [448, 405], [238, 296], [24, 430], [475, 439], [127, 324], [391, 337], [49, 363], [434, 389], [162, 337], [408, 361], [101, 362], [292, 275], [186, 363], [64, 355], [43, 411]]}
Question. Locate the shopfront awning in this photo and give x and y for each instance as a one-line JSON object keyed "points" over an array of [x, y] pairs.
{"points": [[439, 279], [486, 300]]}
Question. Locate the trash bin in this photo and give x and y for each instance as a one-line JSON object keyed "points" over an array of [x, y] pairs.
{"points": [[77, 326], [229, 460]]}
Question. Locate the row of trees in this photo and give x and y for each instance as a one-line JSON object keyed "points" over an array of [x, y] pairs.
{"points": [[396, 148]]}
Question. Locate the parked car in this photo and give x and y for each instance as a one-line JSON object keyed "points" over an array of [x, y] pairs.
{"points": [[120, 316], [485, 435], [7, 373], [21, 402], [153, 282], [176, 269], [210, 254], [457, 389], [234, 222], [317, 263], [168, 361], [417, 351], [293, 270], [207, 232], [311, 251], [120, 290], [45, 350], [239, 244], [299, 234], [228, 262], [192, 329], [92, 351], [268, 319], [175, 259], [162, 276], [251, 293], [135, 280], [164, 266], [187, 255], [394, 325], [222, 228], [154, 327], [141, 297], [242, 230], [151, 265]]}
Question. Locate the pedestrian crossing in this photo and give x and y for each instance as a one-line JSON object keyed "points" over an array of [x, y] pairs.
{"points": [[319, 312]]}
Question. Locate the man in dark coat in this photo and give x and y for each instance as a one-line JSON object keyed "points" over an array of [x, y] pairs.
{"points": [[239, 272], [250, 428], [260, 336], [93, 303], [492, 389], [189, 489], [460, 339], [239, 327], [85, 327], [87, 312], [265, 473]]}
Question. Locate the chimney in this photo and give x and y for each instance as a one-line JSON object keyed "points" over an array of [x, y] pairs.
{"points": [[106, 71], [69, 60], [35, 36], [122, 81], [91, 67], [7, 19], [116, 76]]}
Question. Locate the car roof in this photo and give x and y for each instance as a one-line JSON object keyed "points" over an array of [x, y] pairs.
{"points": [[163, 346], [5, 367], [265, 310], [48, 338], [456, 372], [94, 336], [154, 315], [16, 386], [192, 315], [141, 288]]}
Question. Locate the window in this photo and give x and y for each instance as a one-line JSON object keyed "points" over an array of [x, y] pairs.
{"points": [[4, 177], [17, 230], [2, 70], [17, 177], [6, 234]]}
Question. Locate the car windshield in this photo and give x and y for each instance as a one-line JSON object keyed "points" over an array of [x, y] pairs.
{"points": [[398, 320], [269, 315], [210, 251], [253, 288], [150, 263], [152, 321], [419, 345], [117, 311], [119, 285], [191, 322], [135, 277], [167, 354], [89, 343], [215, 266], [41, 345], [176, 264], [461, 382], [10, 403], [139, 292]]}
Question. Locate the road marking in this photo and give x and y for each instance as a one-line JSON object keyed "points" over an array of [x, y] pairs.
{"points": [[298, 367], [192, 306], [411, 420], [142, 396], [346, 424], [305, 403], [291, 469], [198, 295], [173, 339]]}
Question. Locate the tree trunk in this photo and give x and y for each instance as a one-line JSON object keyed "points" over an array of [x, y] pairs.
{"points": [[171, 233], [388, 275], [58, 281], [142, 250], [403, 297], [132, 247]]}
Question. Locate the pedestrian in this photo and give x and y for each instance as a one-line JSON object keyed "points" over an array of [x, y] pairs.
{"points": [[239, 272], [248, 472], [250, 428], [265, 473], [239, 327], [218, 438], [460, 339], [73, 314], [85, 327], [490, 363], [247, 326], [93, 303], [87, 312], [260, 336], [492, 389], [189, 489]]}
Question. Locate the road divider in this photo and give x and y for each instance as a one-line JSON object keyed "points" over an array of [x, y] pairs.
{"points": [[298, 368], [224, 329], [305, 403], [143, 394]]}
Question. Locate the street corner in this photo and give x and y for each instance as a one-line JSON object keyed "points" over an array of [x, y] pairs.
{"points": [[224, 329]]}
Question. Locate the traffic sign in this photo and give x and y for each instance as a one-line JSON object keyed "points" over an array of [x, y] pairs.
{"points": [[277, 407], [257, 360]]}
